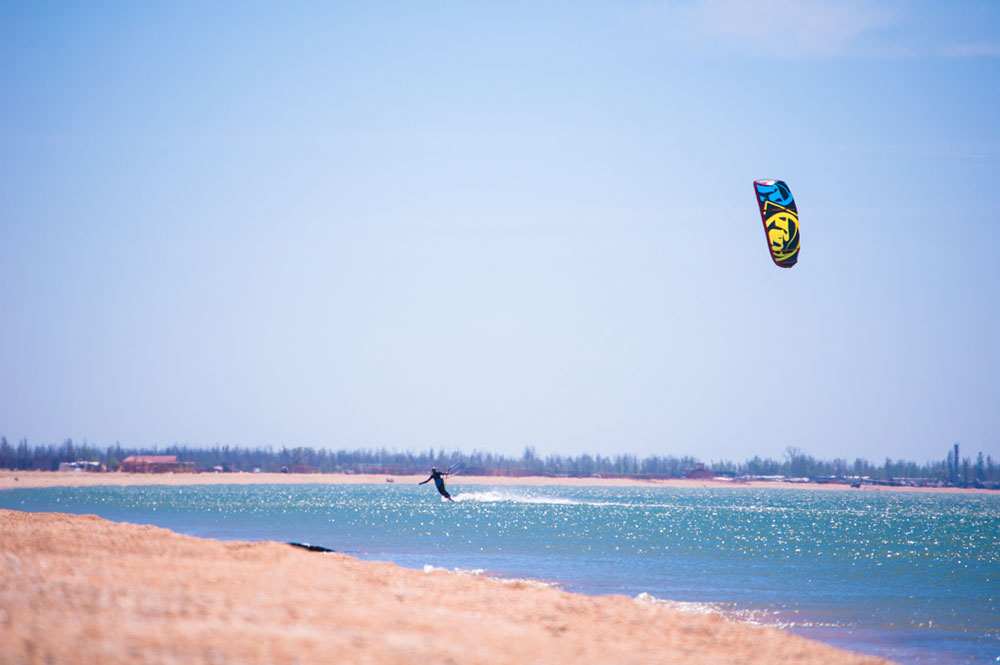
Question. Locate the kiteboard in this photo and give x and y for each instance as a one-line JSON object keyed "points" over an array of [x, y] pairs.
{"points": [[312, 548]]}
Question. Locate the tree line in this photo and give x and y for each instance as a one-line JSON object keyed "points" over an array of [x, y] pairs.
{"points": [[795, 463]]}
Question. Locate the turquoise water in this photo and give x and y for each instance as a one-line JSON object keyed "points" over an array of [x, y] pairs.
{"points": [[911, 577]]}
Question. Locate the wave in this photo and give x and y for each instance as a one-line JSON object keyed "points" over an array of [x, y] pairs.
{"points": [[684, 606], [753, 616], [479, 572], [474, 572]]}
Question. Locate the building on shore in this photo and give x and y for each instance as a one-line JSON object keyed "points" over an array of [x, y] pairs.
{"points": [[699, 471], [155, 464], [81, 465]]}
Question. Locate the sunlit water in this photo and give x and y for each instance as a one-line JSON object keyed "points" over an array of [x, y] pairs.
{"points": [[911, 577]]}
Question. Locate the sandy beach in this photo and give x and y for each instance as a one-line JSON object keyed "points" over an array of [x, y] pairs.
{"points": [[11, 479], [81, 589]]}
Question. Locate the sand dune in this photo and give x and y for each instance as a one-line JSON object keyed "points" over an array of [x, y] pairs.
{"points": [[81, 589]]}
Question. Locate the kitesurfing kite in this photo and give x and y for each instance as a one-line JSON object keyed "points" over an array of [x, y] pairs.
{"points": [[781, 221]]}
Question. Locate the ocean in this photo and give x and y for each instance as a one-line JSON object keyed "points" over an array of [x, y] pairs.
{"points": [[911, 577]]}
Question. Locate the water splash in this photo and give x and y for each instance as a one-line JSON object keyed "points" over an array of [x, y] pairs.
{"points": [[509, 496]]}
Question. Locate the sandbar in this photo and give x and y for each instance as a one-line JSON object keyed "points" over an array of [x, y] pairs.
{"points": [[82, 589], [10, 479]]}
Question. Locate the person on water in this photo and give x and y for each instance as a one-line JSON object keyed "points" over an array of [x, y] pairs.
{"points": [[438, 479]]}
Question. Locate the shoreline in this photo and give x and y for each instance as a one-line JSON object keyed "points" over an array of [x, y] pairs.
{"points": [[38, 479], [122, 593]]}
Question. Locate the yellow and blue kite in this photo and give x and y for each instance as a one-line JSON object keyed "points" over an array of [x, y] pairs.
{"points": [[781, 221]]}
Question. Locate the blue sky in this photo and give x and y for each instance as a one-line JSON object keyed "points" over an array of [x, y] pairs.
{"points": [[478, 226]]}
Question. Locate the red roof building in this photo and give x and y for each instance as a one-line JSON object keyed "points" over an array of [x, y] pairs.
{"points": [[699, 471]]}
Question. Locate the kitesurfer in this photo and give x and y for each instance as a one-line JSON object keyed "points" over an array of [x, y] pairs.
{"points": [[438, 479]]}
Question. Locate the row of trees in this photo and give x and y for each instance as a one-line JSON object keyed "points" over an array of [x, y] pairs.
{"points": [[796, 463]]}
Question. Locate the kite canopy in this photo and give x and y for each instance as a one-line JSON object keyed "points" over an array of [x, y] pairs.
{"points": [[781, 221]]}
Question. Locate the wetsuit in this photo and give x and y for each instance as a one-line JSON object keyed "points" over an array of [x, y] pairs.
{"points": [[438, 479]]}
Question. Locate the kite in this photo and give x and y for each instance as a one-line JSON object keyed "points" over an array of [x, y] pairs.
{"points": [[781, 221]]}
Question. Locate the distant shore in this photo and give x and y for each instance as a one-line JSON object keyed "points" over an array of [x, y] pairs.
{"points": [[13, 479], [82, 589]]}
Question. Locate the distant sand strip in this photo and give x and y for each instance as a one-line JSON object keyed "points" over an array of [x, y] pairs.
{"points": [[81, 589], [11, 479]]}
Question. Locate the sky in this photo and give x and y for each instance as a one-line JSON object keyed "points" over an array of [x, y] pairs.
{"points": [[489, 226]]}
